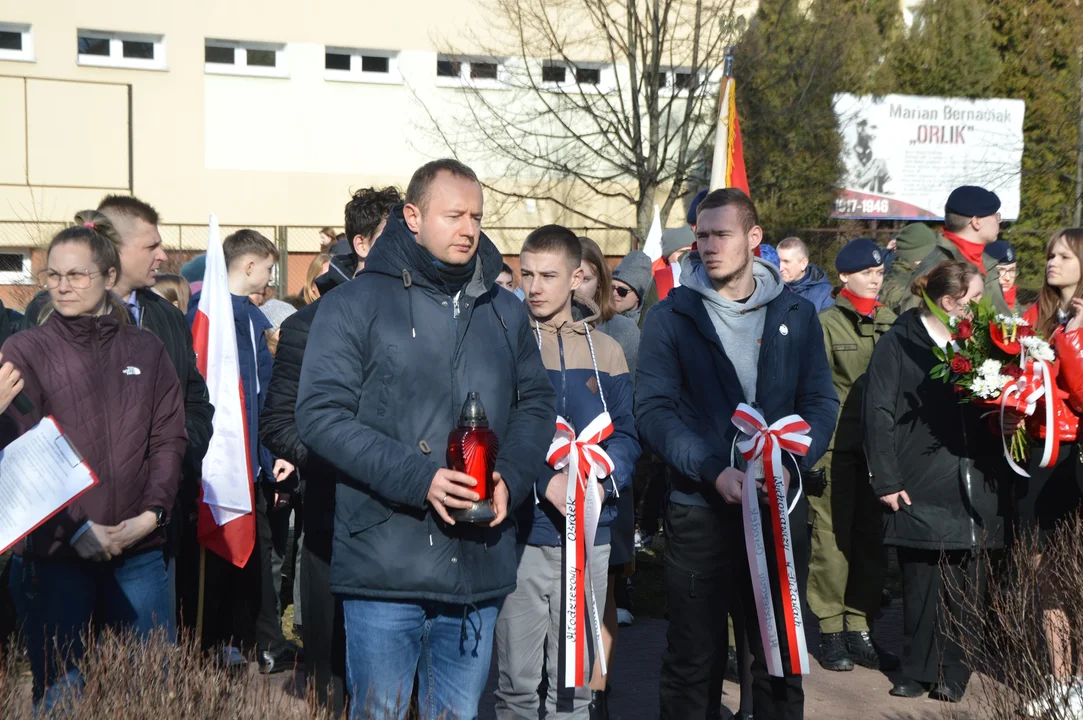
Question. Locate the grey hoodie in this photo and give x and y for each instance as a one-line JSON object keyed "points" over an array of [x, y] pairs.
{"points": [[739, 325]]}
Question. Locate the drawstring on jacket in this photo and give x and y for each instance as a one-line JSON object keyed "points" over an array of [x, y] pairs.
{"points": [[407, 283], [597, 377]]}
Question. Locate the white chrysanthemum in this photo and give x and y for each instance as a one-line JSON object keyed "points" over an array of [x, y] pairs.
{"points": [[1038, 349], [1011, 321], [984, 388], [989, 369]]}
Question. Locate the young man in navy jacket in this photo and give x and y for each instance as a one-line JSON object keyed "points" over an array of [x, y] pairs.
{"points": [[590, 375], [731, 333]]}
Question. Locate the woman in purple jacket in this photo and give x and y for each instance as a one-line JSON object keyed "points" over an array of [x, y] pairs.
{"points": [[114, 393]]}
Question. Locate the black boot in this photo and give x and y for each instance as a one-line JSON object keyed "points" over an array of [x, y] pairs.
{"points": [[833, 653], [865, 652], [907, 688], [599, 705]]}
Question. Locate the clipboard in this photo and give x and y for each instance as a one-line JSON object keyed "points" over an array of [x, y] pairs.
{"points": [[41, 473]]}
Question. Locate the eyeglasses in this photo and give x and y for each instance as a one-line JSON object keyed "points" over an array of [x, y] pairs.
{"points": [[621, 291], [77, 279]]}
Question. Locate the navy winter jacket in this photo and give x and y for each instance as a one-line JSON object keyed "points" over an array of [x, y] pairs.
{"points": [[687, 389], [391, 358], [255, 361], [814, 287], [569, 360]]}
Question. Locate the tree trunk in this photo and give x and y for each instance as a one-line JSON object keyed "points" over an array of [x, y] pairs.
{"points": [[645, 214], [1079, 151]]}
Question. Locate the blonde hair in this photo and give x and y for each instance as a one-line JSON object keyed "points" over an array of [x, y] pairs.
{"points": [[175, 289], [310, 292], [94, 230]]}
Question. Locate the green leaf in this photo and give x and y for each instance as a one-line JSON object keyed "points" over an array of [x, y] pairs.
{"points": [[935, 310]]}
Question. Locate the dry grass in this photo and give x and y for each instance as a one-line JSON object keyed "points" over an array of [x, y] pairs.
{"points": [[1010, 650]]}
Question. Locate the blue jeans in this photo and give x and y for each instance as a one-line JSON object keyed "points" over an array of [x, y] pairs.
{"points": [[448, 648], [55, 600]]}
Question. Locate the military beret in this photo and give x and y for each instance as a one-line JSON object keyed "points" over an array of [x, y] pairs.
{"points": [[695, 206], [1001, 251], [972, 201], [858, 255]]}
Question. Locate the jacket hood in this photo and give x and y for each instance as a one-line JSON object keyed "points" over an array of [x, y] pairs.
{"points": [[769, 285], [911, 324], [584, 312], [397, 253], [341, 269], [814, 275]]}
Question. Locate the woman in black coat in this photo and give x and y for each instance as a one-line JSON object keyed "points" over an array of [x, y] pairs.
{"points": [[935, 463]]}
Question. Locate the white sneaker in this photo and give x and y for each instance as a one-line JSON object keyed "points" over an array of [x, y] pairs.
{"points": [[624, 618], [1063, 700], [232, 657], [642, 541]]}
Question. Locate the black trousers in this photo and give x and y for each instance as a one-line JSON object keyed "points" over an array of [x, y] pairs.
{"points": [[237, 600], [706, 574], [323, 631], [272, 532], [934, 612]]}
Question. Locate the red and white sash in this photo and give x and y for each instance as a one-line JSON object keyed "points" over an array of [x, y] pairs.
{"points": [[587, 465], [764, 446]]}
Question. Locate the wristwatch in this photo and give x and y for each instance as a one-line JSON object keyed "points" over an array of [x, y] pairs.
{"points": [[159, 517]]}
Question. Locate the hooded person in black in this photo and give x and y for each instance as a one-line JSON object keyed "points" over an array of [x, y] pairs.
{"points": [[400, 348]]}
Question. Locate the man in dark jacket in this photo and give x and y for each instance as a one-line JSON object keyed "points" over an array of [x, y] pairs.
{"points": [[400, 348], [362, 229], [730, 334], [141, 254], [323, 632], [802, 278]]}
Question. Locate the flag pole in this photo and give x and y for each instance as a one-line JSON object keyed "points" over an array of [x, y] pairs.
{"points": [[202, 590]]}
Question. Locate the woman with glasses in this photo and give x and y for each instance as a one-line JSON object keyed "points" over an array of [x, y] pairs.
{"points": [[114, 393]]}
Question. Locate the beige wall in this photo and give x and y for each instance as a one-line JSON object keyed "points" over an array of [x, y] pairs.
{"points": [[257, 151]]}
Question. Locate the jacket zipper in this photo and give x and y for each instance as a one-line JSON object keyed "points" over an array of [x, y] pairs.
{"points": [[96, 349]]}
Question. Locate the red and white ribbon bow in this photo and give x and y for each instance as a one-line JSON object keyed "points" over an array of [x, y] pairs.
{"points": [[587, 465], [763, 448], [1039, 381]]}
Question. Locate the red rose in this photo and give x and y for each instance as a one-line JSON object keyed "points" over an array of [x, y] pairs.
{"points": [[964, 330], [1024, 331], [1013, 371], [961, 364]]}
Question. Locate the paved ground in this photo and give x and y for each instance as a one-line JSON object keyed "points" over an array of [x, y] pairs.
{"points": [[858, 695]]}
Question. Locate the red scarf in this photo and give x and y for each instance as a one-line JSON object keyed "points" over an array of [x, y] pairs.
{"points": [[972, 252], [1009, 295], [864, 306]]}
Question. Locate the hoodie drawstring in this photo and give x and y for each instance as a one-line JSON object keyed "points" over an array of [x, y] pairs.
{"points": [[407, 283], [597, 377]]}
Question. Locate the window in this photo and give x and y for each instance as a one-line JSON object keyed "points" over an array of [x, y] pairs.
{"points": [[121, 50], [448, 68], [15, 267], [485, 72], [375, 64], [554, 73], [354, 65], [16, 42], [221, 55], [232, 57], [684, 81], [588, 76], [337, 61]]}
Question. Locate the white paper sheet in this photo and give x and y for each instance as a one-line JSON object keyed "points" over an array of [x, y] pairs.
{"points": [[40, 473]]}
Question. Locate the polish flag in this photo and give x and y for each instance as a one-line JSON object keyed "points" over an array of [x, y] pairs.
{"points": [[728, 167], [227, 525]]}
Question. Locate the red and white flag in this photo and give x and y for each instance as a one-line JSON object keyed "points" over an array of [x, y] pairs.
{"points": [[227, 525]]}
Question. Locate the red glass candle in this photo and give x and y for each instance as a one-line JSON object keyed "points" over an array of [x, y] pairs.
{"points": [[471, 449]]}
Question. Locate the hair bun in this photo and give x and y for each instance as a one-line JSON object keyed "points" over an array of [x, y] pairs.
{"points": [[919, 285]]}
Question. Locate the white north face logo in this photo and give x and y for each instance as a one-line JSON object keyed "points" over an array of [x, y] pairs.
{"points": [[131, 370]]}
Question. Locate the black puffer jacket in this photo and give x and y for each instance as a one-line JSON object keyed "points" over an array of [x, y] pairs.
{"points": [[397, 357], [920, 439], [278, 432]]}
